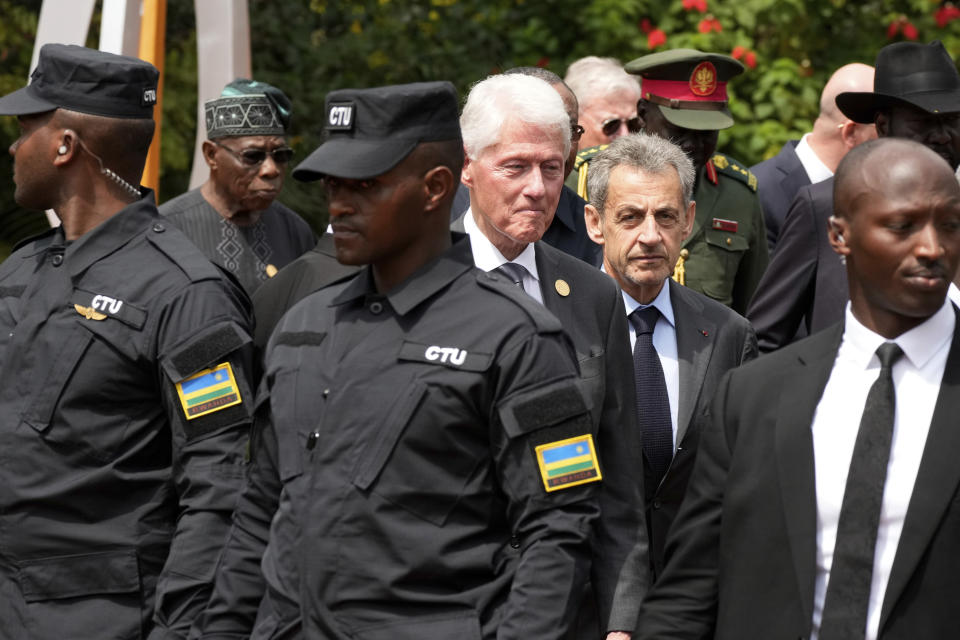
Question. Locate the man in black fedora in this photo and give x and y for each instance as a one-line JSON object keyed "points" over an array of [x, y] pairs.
{"points": [[124, 353], [425, 442], [916, 96]]}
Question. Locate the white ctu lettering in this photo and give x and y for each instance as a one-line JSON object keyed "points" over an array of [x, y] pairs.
{"points": [[106, 303], [340, 116], [446, 354]]}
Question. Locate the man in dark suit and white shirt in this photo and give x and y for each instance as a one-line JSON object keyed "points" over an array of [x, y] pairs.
{"points": [[516, 136], [641, 211], [825, 501], [916, 96], [814, 157]]}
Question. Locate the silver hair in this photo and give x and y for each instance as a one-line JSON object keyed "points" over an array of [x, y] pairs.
{"points": [[493, 102], [649, 153], [592, 77]]}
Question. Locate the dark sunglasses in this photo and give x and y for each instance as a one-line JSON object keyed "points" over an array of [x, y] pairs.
{"points": [[255, 157], [610, 127], [576, 132]]}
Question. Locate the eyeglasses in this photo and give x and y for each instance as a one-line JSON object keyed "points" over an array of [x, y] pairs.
{"points": [[610, 127], [576, 131], [255, 157]]}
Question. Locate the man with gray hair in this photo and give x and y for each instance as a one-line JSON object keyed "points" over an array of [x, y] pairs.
{"points": [[683, 342], [516, 136], [608, 99]]}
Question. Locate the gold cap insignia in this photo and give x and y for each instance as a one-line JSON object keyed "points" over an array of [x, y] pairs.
{"points": [[562, 287], [89, 313], [703, 80]]}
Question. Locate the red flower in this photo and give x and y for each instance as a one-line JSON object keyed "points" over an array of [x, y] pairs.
{"points": [[543, 62], [909, 31], [645, 25], [750, 60], [893, 29], [699, 5], [738, 52], [704, 26], [656, 38], [717, 26], [709, 24], [946, 14]]}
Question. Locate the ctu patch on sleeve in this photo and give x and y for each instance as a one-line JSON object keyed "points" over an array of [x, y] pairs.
{"points": [[209, 391], [567, 463]]}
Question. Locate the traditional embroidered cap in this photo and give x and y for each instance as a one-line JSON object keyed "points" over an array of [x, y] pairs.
{"points": [[908, 73], [689, 86], [369, 131], [248, 108], [88, 81]]}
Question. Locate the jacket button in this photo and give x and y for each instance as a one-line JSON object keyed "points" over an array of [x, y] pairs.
{"points": [[657, 504], [312, 440], [515, 542], [57, 259], [376, 308], [159, 228]]}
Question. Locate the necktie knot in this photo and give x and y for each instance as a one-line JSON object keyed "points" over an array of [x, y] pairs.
{"points": [[644, 320], [889, 353], [513, 272]]}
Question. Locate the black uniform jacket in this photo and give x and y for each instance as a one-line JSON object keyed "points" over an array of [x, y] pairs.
{"points": [[115, 492], [742, 551], [399, 441]]}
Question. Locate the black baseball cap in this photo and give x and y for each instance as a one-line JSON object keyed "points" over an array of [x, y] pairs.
{"points": [[369, 131], [86, 80]]}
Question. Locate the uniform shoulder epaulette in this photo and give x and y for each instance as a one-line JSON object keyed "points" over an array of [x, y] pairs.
{"points": [[731, 167], [543, 320], [587, 154], [171, 242]]}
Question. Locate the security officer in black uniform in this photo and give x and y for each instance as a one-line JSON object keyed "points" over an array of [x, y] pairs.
{"points": [[684, 99], [123, 396], [423, 418]]}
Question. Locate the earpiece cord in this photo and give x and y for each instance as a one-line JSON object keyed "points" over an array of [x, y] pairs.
{"points": [[126, 186]]}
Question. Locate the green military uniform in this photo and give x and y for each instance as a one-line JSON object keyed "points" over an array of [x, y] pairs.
{"points": [[726, 252]]}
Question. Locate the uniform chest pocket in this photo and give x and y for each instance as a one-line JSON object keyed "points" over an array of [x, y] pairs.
{"points": [[727, 241], [421, 457], [49, 388]]}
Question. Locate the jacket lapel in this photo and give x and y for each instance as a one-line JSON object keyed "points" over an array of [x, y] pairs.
{"points": [[694, 348], [793, 444], [937, 481], [549, 272]]}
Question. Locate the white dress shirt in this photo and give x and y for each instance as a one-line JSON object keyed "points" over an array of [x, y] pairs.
{"points": [[665, 342], [916, 378], [488, 257], [816, 170]]}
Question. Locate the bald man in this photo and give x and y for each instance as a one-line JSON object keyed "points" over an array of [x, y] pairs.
{"points": [[780, 534], [816, 155]]}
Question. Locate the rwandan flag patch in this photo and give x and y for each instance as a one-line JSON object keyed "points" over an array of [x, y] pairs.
{"points": [[209, 391], [567, 463]]}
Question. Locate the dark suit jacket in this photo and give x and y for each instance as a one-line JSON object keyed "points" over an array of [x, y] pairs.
{"points": [[567, 231], [742, 552], [711, 339], [805, 285], [778, 180], [592, 314]]}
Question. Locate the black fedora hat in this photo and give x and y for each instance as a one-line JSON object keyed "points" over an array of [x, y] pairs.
{"points": [[908, 73]]}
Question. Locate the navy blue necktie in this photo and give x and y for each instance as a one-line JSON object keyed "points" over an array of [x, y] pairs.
{"points": [[851, 573], [653, 403]]}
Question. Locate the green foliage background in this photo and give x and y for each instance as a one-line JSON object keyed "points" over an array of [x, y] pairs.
{"points": [[308, 47]]}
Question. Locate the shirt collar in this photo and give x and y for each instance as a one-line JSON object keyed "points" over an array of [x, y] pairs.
{"points": [[421, 285], [111, 234], [661, 302], [816, 170], [487, 257], [919, 344]]}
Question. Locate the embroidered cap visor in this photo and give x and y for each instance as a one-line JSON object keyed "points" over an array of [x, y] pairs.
{"points": [[688, 86], [370, 131]]}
